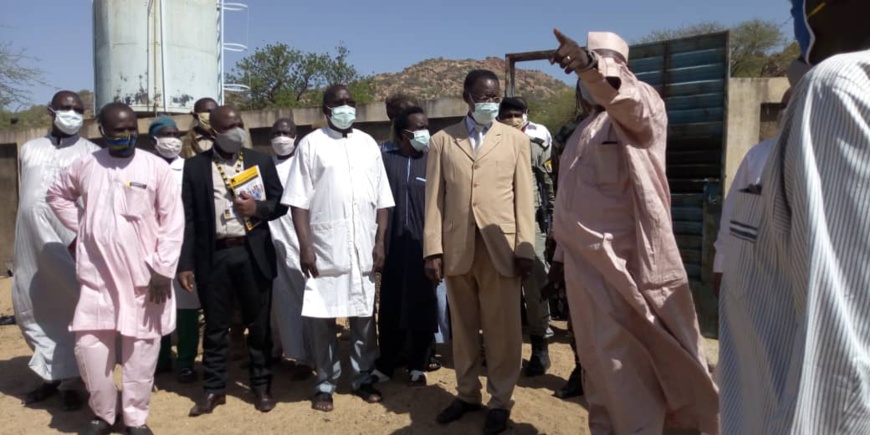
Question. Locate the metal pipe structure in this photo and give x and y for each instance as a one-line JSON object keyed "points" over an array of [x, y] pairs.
{"points": [[163, 53], [148, 54]]}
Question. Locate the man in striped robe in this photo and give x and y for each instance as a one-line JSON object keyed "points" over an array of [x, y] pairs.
{"points": [[794, 324]]}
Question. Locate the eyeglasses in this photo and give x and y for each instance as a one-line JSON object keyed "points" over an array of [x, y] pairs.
{"points": [[485, 99]]}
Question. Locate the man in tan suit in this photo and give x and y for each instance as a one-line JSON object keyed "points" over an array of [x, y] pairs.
{"points": [[479, 235]]}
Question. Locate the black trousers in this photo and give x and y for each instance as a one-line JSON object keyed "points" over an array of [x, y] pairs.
{"points": [[395, 338], [234, 272]]}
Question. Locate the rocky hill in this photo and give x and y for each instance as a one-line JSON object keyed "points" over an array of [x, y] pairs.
{"points": [[443, 78]]}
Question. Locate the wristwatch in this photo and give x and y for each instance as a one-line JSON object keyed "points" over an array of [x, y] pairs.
{"points": [[593, 61]]}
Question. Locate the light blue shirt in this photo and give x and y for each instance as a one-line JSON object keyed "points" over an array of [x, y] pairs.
{"points": [[473, 129]]}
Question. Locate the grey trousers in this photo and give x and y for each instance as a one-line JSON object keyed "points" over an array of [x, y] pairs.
{"points": [[537, 310], [363, 352]]}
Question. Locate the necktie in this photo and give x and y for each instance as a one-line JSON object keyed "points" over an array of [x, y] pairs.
{"points": [[478, 137]]}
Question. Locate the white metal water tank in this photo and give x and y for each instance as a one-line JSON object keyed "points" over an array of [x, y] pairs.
{"points": [[156, 55]]}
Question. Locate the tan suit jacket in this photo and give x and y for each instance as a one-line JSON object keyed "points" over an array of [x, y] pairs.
{"points": [[491, 189]]}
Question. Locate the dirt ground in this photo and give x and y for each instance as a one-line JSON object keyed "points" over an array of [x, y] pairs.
{"points": [[404, 410]]}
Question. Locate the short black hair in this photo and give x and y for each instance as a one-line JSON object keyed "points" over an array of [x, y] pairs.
{"points": [[401, 122], [61, 95], [477, 75], [512, 103], [112, 107], [203, 101], [401, 100], [331, 91]]}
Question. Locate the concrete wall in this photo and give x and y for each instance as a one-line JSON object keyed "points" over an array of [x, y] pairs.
{"points": [[747, 115], [746, 111], [371, 118]]}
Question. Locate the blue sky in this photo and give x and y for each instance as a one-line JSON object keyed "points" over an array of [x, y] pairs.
{"points": [[382, 35]]}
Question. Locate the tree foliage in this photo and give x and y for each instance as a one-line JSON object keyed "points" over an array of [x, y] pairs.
{"points": [[753, 44], [16, 77], [281, 76]]}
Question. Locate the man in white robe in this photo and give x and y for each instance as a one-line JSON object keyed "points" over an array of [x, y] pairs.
{"points": [[794, 327], [290, 332], [748, 173], [339, 193], [44, 285]]}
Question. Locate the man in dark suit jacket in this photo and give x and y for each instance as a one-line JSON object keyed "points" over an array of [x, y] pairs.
{"points": [[222, 255]]}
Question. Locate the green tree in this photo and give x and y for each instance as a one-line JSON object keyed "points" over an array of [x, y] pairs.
{"points": [[281, 76], [16, 77], [752, 42], [778, 63]]}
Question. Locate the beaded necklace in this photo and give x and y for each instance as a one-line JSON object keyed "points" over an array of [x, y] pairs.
{"points": [[239, 166]]}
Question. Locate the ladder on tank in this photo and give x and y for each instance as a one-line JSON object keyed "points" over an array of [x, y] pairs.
{"points": [[235, 47]]}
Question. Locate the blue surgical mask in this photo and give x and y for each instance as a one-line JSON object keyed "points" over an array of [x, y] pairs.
{"points": [[420, 140], [343, 117], [123, 145], [485, 113], [803, 34]]}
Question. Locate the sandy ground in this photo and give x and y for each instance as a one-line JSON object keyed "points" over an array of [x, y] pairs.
{"points": [[404, 410]]}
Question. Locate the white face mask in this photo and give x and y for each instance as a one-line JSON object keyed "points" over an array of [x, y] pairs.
{"points": [[485, 113], [420, 140], [283, 145], [68, 121], [168, 147], [343, 117]]}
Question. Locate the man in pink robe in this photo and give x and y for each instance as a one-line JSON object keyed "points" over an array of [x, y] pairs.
{"points": [[129, 229], [634, 319]]}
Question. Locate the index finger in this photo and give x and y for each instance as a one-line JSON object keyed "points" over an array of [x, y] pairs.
{"points": [[561, 37]]}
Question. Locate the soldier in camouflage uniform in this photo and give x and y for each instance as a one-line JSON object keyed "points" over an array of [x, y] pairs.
{"points": [[514, 112]]}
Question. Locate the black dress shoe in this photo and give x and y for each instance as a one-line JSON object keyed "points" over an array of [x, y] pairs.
{"points": [[496, 421], [208, 404], [70, 400], [263, 401], [42, 392], [574, 386], [186, 376], [97, 426], [140, 430], [456, 410]]}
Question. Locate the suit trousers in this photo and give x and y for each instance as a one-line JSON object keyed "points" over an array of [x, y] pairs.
{"points": [[95, 353], [233, 272], [483, 299]]}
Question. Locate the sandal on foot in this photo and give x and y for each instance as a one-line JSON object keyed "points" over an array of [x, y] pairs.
{"points": [[322, 402], [368, 393], [434, 364]]}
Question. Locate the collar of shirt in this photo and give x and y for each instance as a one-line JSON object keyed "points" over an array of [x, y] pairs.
{"points": [[64, 141], [335, 134], [472, 125], [228, 162]]}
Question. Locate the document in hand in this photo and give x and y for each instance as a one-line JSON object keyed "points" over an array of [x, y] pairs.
{"points": [[250, 182]]}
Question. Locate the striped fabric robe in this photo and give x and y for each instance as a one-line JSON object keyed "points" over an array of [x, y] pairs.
{"points": [[795, 307]]}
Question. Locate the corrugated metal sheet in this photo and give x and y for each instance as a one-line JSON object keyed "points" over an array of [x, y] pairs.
{"points": [[692, 76]]}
